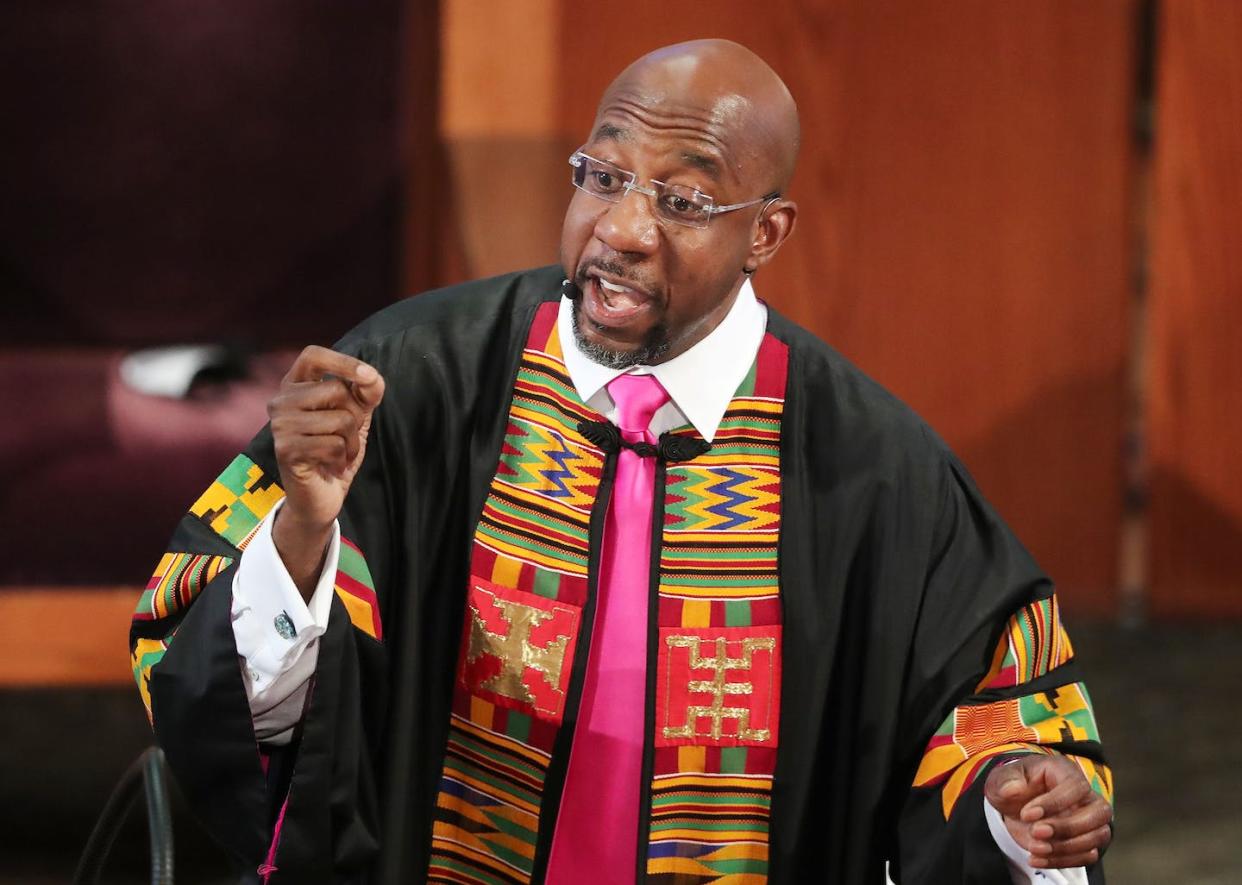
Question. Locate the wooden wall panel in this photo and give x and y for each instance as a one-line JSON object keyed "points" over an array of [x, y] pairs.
{"points": [[1196, 313], [963, 186], [498, 111], [87, 648], [426, 238]]}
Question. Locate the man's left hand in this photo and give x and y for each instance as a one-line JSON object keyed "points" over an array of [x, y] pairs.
{"points": [[1051, 810]]}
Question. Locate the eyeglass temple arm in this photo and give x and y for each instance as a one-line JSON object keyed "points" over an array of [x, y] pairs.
{"points": [[775, 195]]}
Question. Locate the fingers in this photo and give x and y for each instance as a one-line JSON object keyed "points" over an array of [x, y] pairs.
{"points": [[1076, 852], [1054, 851], [1066, 861], [1061, 849], [368, 386], [315, 362], [1051, 810], [1074, 837], [1069, 789], [319, 364], [302, 435], [320, 421], [330, 393], [1087, 817], [1009, 789], [306, 416], [312, 456]]}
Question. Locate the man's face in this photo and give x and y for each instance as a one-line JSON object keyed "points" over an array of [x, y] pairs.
{"points": [[652, 288]]}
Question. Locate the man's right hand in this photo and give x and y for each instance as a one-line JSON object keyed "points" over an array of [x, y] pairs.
{"points": [[320, 420]]}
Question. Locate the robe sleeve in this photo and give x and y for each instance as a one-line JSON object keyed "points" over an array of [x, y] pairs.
{"points": [[992, 676], [185, 663]]}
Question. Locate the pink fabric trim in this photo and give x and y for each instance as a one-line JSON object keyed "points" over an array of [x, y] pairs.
{"points": [[269, 866]]}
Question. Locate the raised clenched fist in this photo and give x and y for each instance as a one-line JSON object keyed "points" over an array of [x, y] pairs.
{"points": [[320, 419]]}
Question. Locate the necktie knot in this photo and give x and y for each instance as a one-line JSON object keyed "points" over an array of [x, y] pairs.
{"points": [[637, 397]]}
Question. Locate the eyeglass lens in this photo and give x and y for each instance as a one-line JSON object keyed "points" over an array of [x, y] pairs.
{"points": [[677, 203]]}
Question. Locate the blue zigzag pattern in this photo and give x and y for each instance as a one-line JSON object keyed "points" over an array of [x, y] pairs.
{"points": [[557, 477], [724, 509]]}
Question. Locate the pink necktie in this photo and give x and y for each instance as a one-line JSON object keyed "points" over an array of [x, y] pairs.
{"points": [[597, 829]]}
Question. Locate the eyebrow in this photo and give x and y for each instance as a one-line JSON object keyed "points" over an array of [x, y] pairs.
{"points": [[702, 162], [610, 132]]}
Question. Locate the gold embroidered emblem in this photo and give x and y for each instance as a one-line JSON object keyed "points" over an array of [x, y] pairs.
{"points": [[514, 649], [718, 687]]}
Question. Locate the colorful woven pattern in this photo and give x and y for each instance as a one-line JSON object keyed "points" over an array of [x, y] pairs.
{"points": [[709, 828], [719, 662], [235, 504], [232, 507], [356, 589], [974, 733], [528, 586], [178, 578], [1099, 776], [487, 817], [539, 508], [1033, 643], [723, 498], [145, 655], [722, 510]]}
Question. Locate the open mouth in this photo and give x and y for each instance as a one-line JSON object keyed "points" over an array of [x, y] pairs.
{"points": [[613, 302]]}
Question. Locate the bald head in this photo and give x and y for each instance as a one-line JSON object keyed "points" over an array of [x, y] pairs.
{"points": [[721, 91], [655, 272]]}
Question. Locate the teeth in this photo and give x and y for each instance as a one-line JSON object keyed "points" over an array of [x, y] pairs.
{"points": [[612, 287]]}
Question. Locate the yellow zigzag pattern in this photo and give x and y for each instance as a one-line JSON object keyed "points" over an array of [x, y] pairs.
{"points": [[701, 498], [562, 478]]}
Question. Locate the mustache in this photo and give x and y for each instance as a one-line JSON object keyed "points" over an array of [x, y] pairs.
{"points": [[608, 266]]}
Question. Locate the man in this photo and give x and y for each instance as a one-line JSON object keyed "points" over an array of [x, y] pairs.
{"points": [[626, 579]]}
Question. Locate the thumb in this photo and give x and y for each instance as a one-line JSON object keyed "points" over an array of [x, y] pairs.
{"points": [[367, 386], [1008, 789]]}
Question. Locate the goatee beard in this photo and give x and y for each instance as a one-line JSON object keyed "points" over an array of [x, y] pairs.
{"points": [[650, 352]]}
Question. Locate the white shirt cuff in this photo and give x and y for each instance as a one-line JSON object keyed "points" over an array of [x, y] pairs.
{"points": [[273, 626], [1020, 869]]}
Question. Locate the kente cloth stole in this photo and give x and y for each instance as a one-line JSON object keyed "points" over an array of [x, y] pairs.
{"points": [[1036, 712], [232, 507], [714, 662]]}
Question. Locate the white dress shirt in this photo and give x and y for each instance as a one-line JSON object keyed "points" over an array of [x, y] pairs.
{"points": [[279, 653]]}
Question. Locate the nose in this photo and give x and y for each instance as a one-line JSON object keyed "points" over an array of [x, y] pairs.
{"points": [[629, 226]]}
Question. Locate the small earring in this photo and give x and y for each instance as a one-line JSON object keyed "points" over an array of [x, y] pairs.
{"points": [[748, 270]]}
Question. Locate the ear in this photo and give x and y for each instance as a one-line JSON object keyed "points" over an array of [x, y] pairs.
{"points": [[772, 227]]}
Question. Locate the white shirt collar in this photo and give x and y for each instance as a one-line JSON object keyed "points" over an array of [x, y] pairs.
{"points": [[700, 382]]}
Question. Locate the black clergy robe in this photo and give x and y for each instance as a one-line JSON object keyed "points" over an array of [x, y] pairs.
{"points": [[919, 642]]}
